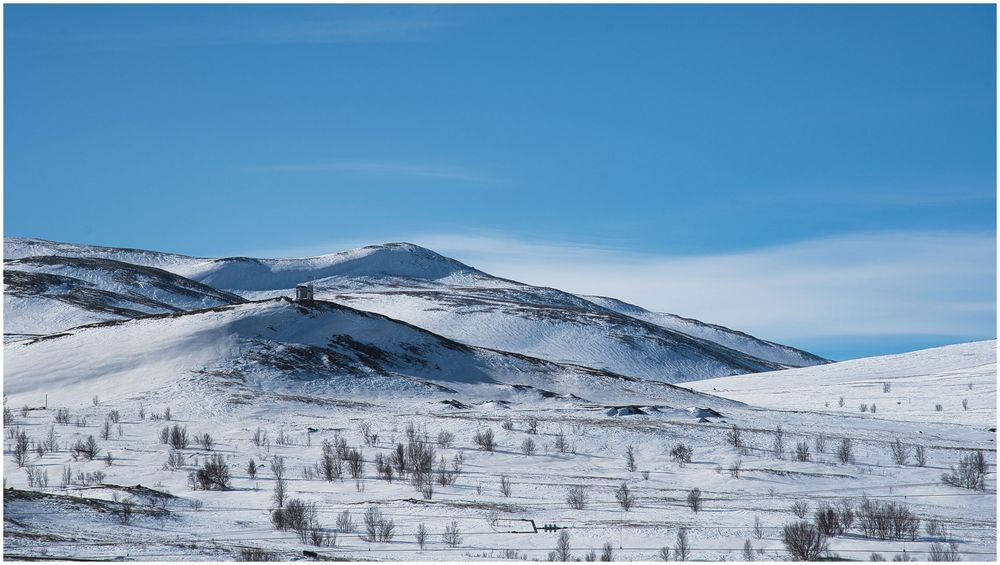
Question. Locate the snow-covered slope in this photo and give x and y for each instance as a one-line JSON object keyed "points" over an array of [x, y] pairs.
{"points": [[313, 347], [733, 339], [904, 387], [418, 286], [45, 294]]}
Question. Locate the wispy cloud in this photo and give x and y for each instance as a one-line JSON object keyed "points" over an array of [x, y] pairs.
{"points": [[385, 169], [867, 284]]}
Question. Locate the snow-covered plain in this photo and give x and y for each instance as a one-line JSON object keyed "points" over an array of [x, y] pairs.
{"points": [[316, 371]]}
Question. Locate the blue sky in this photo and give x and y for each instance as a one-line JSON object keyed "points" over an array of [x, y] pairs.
{"points": [[676, 144]]}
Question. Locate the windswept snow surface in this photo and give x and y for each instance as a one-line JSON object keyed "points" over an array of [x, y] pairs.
{"points": [[906, 387]]}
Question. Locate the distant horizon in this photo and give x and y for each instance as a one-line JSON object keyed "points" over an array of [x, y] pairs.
{"points": [[818, 175]]}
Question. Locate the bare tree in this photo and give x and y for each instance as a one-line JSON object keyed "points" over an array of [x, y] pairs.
{"points": [[528, 446], [971, 472], [664, 553], [507, 423], [694, 499], [748, 551], [279, 493], [625, 497], [532, 425], [921, 454], [252, 469], [965, 404], [779, 443], [607, 552], [421, 535], [804, 542], [445, 439], [206, 442], [758, 528], [452, 536], [214, 474], [944, 552], [345, 523], [124, 511], [505, 486], [735, 437], [630, 465], [735, 468], [576, 497], [802, 452], [378, 528], [821, 443], [560, 444], [562, 547], [845, 451], [682, 547], [259, 437], [20, 451], [800, 508], [900, 452]]}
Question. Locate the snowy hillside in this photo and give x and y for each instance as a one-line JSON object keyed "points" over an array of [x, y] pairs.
{"points": [[313, 347], [961, 378], [418, 286], [46, 294]]}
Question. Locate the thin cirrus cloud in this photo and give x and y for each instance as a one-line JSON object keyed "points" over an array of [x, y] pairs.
{"points": [[438, 172]]}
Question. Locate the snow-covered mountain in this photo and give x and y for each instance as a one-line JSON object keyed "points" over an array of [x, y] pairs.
{"points": [[416, 285], [49, 293], [306, 347]]}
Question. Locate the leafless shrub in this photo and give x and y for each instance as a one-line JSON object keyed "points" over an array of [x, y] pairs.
{"points": [[505, 486], [142, 412], [87, 449], [645, 475], [802, 452], [178, 437], [938, 407], [864, 407], [936, 529], [872, 409], [109, 459], [445, 439], [259, 437], [681, 454], [507, 424], [531, 425], [175, 460], [694, 499], [62, 416], [827, 520], [115, 416], [624, 497], [682, 547], [845, 451], [213, 475], [36, 476], [106, 430], [378, 528], [886, 520], [900, 452], [123, 512], [255, 554], [484, 439], [965, 404], [921, 454], [841, 402], [95, 400], [630, 465], [607, 552], [748, 551], [664, 553], [576, 497], [944, 552], [166, 414], [804, 542], [206, 442], [876, 557], [8, 414], [528, 446], [821, 443], [971, 472], [886, 387], [800, 508], [81, 421], [758, 528], [452, 536]]}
